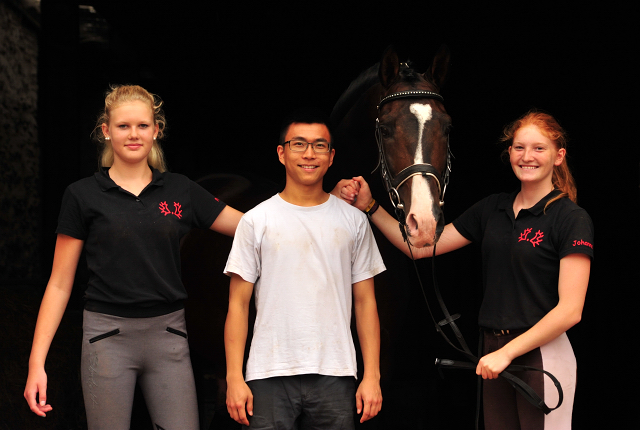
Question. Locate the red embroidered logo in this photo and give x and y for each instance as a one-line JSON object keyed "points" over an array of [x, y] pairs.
{"points": [[582, 242], [535, 240], [164, 208]]}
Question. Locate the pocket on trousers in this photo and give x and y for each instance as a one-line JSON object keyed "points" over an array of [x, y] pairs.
{"points": [[178, 332], [104, 335]]}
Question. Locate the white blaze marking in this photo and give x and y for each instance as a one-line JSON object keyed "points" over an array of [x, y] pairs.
{"points": [[423, 114], [420, 187], [421, 200]]}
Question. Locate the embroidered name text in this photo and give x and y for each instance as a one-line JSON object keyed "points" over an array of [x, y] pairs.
{"points": [[582, 242]]}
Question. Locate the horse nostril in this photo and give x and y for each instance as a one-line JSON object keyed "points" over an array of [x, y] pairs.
{"points": [[412, 222]]}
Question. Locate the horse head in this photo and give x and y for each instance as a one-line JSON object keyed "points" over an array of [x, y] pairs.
{"points": [[413, 139]]}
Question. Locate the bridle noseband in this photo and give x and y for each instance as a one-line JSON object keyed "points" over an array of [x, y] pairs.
{"points": [[393, 183]]}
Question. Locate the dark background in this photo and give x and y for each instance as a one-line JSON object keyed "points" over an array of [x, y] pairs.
{"points": [[228, 72]]}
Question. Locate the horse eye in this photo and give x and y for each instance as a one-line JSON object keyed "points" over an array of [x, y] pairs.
{"points": [[384, 131]]}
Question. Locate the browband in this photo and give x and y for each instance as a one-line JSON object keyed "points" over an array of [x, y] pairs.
{"points": [[411, 94]]}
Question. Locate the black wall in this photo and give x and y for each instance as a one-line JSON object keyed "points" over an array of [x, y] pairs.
{"points": [[229, 74]]}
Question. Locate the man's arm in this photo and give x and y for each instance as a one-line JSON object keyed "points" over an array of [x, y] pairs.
{"points": [[239, 396], [369, 394]]}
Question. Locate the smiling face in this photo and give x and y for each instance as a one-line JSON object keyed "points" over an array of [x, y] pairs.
{"points": [[306, 168], [533, 155], [131, 131]]}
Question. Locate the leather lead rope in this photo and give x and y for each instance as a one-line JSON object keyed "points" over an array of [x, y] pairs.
{"points": [[517, 383]]}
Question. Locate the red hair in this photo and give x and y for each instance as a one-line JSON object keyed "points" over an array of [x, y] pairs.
{"points": [[562, 178]]}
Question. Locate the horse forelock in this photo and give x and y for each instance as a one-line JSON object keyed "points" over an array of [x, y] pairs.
{"points": [[407, 74], [356, 89]]}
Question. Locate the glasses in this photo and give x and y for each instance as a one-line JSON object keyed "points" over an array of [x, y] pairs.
{"points": [[319, 146]]}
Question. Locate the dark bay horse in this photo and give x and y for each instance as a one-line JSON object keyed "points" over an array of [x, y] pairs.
{"points": [[406, 111], [393, 115]]}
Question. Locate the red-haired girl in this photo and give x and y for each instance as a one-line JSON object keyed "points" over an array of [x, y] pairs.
{"points": [[537, 246]]}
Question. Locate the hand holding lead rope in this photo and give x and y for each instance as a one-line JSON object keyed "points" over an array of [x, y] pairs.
{"points": [[517, 383]]}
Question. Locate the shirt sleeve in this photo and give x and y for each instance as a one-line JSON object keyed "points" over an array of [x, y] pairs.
{"points": [[576, 234], [367, 261], [206, 207], [244, 257], [70, 220], [470, 224]]}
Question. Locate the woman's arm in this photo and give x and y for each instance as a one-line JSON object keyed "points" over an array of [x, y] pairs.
{"points": [[227, 221], [572, 289], [54, 303], [357, 193]]}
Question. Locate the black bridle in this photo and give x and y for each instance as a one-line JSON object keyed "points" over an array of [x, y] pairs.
{"points": [[392, 184]]}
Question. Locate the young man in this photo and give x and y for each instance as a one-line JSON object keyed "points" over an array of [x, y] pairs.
{"points": [[307, 254]]}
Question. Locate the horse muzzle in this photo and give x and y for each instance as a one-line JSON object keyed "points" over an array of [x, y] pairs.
{"points": [[424, 220]]}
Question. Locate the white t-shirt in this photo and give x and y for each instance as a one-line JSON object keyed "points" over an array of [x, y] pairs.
{"points": [[303, 262]]}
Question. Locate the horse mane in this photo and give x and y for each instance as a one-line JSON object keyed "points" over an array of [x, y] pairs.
{"points": [[355, 90]]}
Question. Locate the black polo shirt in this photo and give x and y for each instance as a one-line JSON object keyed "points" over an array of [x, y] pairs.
{"points": [[521, 256], [132, 243]]}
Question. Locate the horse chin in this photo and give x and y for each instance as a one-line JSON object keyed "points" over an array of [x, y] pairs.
{"points": [[417, 242]]}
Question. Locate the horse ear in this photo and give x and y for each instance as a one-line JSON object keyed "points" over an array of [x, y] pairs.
{"points": [[389, 66], [439, 69]]}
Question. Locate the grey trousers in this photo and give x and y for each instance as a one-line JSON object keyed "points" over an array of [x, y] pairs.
{"points": [[119, 352]]}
